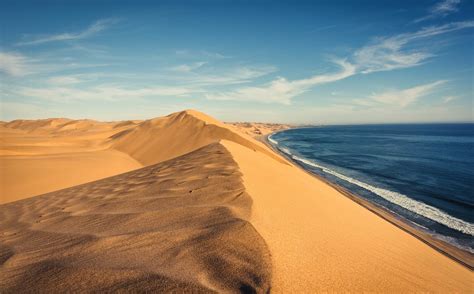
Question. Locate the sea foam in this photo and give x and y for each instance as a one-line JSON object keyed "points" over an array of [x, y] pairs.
{"points": [[404, 201], [272, 141], [399, 199]]}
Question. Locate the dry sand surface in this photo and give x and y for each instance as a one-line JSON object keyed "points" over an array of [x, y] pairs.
{"points": [[323, 241], [53, 154], [258, 130], [212, 210], [41, 156], [181, 225]]}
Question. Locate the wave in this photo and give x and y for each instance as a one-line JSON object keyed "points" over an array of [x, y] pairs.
{"points": [[285, 150], [399, 199], [271, 140]]}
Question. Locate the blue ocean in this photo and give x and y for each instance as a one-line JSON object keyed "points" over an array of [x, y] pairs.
{"points": [[424, 173]]}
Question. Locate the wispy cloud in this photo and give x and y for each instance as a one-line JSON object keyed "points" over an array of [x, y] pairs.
{"points": [[200, 54], [93, 29], [231, 76], [17, 65], [102, 92], [389, 53], [188, 67], [78, 87], [281, 90], [441, 9], [14, 110], [383, 54], [349, 114], [14, 64], [448, 99], [64, 80], [445, 7], [399, 98], [322, 28]]}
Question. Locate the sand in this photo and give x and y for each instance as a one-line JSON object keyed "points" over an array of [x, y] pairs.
{"points": [[203, 208], [41, 156], [53, 154], [323, 241], [259, 130], [181, 225]]}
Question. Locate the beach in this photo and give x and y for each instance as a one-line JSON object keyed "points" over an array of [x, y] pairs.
{"points": [[186, 203], [461, 256]]}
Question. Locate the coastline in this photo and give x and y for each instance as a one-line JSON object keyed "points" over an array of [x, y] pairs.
{"points": [[460, 256], [218, 211]]}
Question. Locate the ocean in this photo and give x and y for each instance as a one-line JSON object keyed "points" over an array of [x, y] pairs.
{"points": [[423, 173]]}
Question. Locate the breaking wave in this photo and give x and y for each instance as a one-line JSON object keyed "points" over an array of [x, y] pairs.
{"points": [[399, 199], [272, 141]]}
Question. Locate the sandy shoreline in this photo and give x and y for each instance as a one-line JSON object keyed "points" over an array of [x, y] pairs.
{"points": [[462, 257]]}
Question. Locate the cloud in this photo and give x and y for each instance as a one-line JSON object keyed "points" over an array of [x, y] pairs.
{"points": [[14, 64], [93, 29], [347, 114], [232, 76], [441, 9], [14, 110], [448, 99], [200, 54], [322, 28], [384, 54], [445, 7], [101, 93], [389, 53], [188, 67], [281, 90], [215, 55], [64, 80], [399, 98], [18, 65]]}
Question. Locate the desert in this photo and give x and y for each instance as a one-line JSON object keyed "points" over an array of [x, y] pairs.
{"points": [[190, 204]]}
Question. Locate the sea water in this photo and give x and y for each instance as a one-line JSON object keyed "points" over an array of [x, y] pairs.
{"points": [[423, 173]]}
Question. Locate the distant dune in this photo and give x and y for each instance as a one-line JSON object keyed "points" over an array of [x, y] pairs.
{"points": [[41, 156], [258, 130], [185, 203]]}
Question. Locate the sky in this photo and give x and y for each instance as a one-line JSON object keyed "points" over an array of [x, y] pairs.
{"points": [[315, 62]]}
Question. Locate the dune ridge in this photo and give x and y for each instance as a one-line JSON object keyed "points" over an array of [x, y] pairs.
{"points": [[207, 188], [100, 149], [181, 225], [178, 134]]}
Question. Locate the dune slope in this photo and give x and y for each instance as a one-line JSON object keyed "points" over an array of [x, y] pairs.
{"points": [[41, 156], [321, 241], [181, 225], [167, 137], [53, 154]]}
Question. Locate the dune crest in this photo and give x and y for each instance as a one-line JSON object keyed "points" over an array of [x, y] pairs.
{"points": [[178, 226], [52, 154], [163, 138]]}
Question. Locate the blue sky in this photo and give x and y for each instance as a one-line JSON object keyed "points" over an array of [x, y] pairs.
{"points": [[330, 62]]}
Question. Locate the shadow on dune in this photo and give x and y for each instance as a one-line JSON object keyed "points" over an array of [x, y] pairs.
{"points": [[180, 225]]}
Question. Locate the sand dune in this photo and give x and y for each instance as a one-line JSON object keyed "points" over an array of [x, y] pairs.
{"points": [[176, 226], [25, 176], [213, 210], [258, 130], [46, 155], [53, 154], [167, 137]]}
